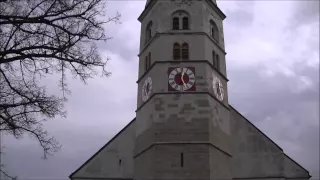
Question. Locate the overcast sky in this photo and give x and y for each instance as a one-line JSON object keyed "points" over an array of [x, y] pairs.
{"points": [[272, 65]]}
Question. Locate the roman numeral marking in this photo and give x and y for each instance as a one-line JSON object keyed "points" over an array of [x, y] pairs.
{"points": [[191, 83], [173, 73]]}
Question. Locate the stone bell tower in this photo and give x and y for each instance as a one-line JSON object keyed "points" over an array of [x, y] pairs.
{"points": [[182, 122]]}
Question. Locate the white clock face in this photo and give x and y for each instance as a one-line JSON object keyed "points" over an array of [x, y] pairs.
{"points": [[217, 88], [146, 89], [181, 79]]}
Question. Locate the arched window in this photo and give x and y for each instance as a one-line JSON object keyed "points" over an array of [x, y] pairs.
{"points": [[148, 31], [185, 23], [185, 51], [176, 51], [214, 32], [180, 20], [175, 23], [217, 62], [214, 59]]}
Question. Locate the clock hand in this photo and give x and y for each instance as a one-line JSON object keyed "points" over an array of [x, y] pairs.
{"points": [[183, 80]]}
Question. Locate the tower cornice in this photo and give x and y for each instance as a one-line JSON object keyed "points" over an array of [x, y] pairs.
{"points": [[216, 8], [184, 92], [157, 34], [183, 61], [146, 9], [152, 2]]}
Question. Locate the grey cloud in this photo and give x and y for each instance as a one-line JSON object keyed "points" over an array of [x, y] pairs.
{"points": [[284, 115], [270, 94], [124, 33], [310, 139], [99, 110], [291, 119], [306, 12], [30, 166], [242, 16], [25, 161], [112, 46], [96, 112]]}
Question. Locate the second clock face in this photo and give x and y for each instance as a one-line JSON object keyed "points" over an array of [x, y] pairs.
{"points": [[217, 88], [181, 79], [146, 89]]}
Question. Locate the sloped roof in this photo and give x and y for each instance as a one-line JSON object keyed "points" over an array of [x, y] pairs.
{"points": [[95, 154], [122, 130], [293, 161]]}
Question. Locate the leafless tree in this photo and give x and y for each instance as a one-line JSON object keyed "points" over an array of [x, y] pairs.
{"points": [[3, 174], [39, 38]]}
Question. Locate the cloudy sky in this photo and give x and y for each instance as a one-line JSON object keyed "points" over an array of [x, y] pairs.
{"points": [[273, 68]]}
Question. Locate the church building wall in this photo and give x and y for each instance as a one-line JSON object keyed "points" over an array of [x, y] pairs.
{"points": [[255, 155], [156, 110], [294, 170], [189, 134], [166, 12], [266, 178], [114, 160], [93, 178], [209, 47], [211, 14], [162, 48], [161, 17], [200, 48], [163, 36], [159, 75]]}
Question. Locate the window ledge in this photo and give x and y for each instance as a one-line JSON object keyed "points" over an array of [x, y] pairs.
{"points": [[157, 34]]}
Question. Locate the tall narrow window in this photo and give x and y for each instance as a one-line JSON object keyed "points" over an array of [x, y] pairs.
{"points": [[217, 62], [181, 160], [185, 23], [185, 51], [214, 32], [148, 31], [149, 60], [120, 162], [214, 59], [176, 51], [146, 63], [175, 23]]}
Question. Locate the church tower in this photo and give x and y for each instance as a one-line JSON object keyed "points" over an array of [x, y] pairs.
{"points": [[185, 128], [182, 117]]}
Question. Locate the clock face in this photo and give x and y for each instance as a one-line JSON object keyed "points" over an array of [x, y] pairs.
{"points": [[181, 79], [217, 88], [146, 89]]}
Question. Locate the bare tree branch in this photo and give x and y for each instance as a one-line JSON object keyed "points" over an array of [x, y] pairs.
{"points": [[39, 38], [3, 174]]}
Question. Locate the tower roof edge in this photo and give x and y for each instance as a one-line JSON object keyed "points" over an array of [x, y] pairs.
{"points": [[148, 1]]}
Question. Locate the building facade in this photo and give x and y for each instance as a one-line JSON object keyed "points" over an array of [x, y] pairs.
{"points": [[184, 126]]}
